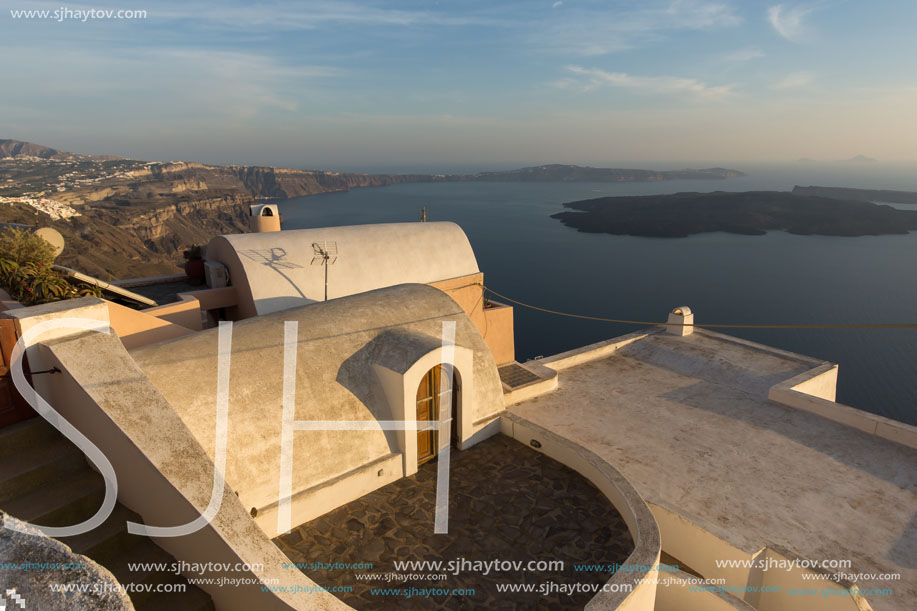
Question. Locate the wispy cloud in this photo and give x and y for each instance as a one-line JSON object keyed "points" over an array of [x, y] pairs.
{"points": [[744, 55], [222, 84], [558, 3], [297, 15], [589, 79], [596, 30], [794, 81], [789, 22]]}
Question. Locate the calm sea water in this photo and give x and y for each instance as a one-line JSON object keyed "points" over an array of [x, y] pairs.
{"points": [[775, 278]]}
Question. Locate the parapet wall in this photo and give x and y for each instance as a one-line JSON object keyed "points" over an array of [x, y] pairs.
{"points": [[813, 391], [639, 585], [162, 471]]}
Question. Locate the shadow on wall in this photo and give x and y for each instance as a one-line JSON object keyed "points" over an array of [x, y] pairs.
{"points": [[357, 376], [275, 259]]}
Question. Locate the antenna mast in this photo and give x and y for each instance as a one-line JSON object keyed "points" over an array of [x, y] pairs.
{"points": [[325, 254]]}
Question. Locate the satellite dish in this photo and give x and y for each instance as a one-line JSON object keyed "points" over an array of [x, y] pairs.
{"points": [[52, 237]]}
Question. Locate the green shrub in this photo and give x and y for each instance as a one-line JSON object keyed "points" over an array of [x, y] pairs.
{"points": [[22, 247], [31, 284], [27, 273]]}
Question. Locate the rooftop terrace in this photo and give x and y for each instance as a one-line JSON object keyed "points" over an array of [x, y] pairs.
{"points": [[688, 421]]}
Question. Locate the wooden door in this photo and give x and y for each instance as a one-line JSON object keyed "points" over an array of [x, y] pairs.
{"points": [[429, 399], [428, 411], [13, 408]]}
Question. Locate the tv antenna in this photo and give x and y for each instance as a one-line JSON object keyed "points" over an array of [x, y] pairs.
{"points": [[325, 254]]}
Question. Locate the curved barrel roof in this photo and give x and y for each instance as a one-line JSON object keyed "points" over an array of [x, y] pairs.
{"points": [[278, 270], [339, 343]]}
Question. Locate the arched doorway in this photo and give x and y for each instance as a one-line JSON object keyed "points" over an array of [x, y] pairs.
{"points": [[430, 393]]}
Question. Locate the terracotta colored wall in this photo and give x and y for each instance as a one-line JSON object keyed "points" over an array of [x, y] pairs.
{"points": [[499, 334], [136, 328], [495, 324], [186, 313]]}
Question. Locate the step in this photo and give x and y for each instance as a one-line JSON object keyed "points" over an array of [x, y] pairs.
{"points": [[63, 503], [29, 469], [26, 434], [144, 552], [109, 540]]}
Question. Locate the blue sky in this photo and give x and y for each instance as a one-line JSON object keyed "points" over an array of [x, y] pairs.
{"points": [[350, 84]]}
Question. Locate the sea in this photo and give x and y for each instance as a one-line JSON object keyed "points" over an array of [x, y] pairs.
{"points": [[775, 278]]}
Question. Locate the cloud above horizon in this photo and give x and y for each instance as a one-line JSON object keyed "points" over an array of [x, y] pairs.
{"points": [[794, 81], [789, 22], [591, 30], [589, 79], [744, 55]]}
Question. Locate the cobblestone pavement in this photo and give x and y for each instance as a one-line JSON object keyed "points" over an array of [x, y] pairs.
{"points": [[506, 502]]}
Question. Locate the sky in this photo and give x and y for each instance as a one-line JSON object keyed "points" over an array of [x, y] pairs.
{"points": [[341, 84]]}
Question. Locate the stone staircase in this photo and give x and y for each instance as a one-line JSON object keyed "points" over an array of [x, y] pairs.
{"points": [[45, 480]]}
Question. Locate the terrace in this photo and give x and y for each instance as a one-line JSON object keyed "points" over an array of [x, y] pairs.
{"points": [[741, 453], [507, 502]]}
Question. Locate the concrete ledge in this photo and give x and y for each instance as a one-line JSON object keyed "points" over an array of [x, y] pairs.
{"points": [[592, 352], [547, 383], [795, 393], [150, 280], [784, 354], [641, 584]]}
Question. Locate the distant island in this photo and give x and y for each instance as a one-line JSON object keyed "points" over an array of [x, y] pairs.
{"points": [[126, 217], [746, 213], [575, 173], [862, 159]]}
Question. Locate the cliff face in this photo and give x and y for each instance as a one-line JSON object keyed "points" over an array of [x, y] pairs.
{"points": [[283, 183], [17, 148], [138, 222], [134, 218]]}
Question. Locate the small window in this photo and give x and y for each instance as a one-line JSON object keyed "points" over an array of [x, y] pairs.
{"points": [[267, 211]]}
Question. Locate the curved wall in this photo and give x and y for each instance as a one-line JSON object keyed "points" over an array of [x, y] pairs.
{"points": [[632, 590]]}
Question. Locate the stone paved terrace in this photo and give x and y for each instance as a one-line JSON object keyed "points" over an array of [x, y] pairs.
{"points": [[507, 502], [687, 420]]}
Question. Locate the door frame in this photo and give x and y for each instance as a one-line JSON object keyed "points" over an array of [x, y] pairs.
{"points": [[430, 394]]}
